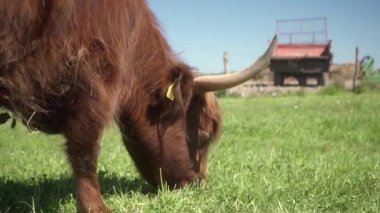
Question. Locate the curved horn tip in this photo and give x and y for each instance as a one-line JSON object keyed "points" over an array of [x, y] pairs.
{"points": [[270, 51], [212, 83], [272, 45]]}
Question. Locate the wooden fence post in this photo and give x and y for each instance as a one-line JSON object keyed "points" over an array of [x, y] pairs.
{"points": [[225, 60], [356, 69]]}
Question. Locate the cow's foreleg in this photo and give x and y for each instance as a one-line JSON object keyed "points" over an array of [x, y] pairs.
{"points": [[83, 149]]}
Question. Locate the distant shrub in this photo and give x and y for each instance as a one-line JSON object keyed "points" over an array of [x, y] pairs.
{"points": [[367, 86], [220, 93], [301, 93], [335, 88]]}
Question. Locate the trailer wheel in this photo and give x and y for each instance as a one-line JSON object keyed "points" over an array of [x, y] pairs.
{"points": [[278, 79], [321, 79], [302, 81]]}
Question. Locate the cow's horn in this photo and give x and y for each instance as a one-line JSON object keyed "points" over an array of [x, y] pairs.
{"points": [[209, 83]]}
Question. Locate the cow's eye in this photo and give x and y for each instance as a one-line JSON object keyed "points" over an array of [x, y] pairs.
{"points": [[204, 137]]}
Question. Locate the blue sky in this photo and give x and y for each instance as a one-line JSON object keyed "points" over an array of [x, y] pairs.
{"points": [[201, 30]]}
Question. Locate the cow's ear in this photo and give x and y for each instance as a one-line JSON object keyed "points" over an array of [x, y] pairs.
{"points": [[181, 81], [177, 93]]}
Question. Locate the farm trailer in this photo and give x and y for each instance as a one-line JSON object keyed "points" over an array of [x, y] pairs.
{"points": [[301, 59]]}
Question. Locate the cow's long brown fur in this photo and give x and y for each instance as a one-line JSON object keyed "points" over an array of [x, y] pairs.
{"points": [[70, 67]]}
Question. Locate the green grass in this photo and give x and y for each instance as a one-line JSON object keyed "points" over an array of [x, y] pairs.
{"points": [[309, 153]]}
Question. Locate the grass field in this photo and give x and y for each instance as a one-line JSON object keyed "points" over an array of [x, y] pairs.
{"points": [[305, 153]]}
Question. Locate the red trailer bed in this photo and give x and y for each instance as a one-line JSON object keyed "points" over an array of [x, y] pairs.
{"points": [[300, 50], [301, 60]]}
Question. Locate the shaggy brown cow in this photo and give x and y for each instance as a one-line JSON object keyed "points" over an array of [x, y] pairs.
{"points": [[71, 67]]}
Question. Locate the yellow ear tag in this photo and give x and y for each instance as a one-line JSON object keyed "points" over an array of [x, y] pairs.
{"points": [[170, 92]]}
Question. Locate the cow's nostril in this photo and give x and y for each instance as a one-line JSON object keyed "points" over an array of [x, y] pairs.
{"points": [[201, 181]]}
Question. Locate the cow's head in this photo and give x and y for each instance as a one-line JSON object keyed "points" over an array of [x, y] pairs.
{"points": [[188, 122]]}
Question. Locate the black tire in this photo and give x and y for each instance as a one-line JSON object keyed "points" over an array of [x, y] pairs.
{"points": [[278, 79], [302, 81], [321, 80]]}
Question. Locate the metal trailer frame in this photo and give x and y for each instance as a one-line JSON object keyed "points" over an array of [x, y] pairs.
{"points": [[302, 60]]}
